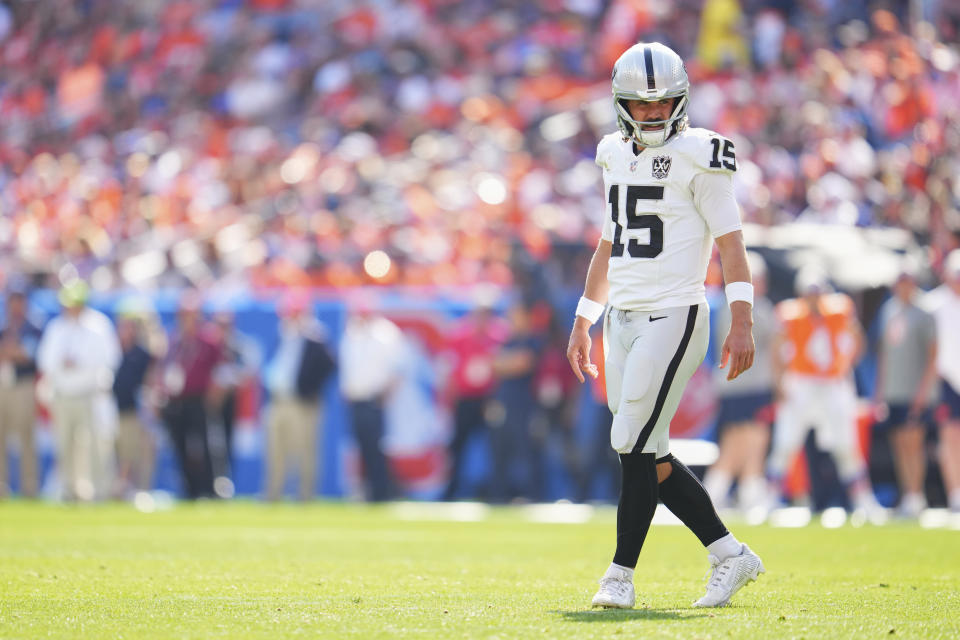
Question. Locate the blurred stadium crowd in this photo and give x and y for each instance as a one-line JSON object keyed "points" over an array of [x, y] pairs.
{"points": [[265, 142], [243, 147]]}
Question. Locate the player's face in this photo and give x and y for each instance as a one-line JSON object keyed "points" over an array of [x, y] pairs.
{"points": [[648, 111]]}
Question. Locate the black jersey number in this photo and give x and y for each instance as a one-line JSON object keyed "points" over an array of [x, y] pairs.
{"points": [[729, 158], [635, 220]]}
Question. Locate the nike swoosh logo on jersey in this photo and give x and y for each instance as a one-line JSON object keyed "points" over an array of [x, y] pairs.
{"points": [[652, 319]]}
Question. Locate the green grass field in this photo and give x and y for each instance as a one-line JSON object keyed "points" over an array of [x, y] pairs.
{"points": [[245, 570]]}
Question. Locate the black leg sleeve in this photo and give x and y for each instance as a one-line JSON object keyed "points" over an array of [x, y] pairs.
{"points": [[683, 494], [638, 501]]}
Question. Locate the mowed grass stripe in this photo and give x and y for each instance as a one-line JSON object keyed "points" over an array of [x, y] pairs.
{"points": [[246, 570]]}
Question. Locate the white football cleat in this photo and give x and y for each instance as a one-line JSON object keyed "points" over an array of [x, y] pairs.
{"points": [[727, 577], [616, 590]]}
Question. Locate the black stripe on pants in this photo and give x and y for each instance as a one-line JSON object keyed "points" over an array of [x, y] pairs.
{"points": [[668, 380]]}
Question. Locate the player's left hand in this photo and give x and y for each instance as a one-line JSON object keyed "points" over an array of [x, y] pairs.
{"points": [[738, 350]]}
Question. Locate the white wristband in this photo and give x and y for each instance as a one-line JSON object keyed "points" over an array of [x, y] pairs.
{"points": [[589, 309], [739, 291]]}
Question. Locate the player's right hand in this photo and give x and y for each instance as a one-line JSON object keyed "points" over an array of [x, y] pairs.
{"points": [[578, 354]]}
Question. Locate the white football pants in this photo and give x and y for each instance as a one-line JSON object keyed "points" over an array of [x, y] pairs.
{"points": [[650, 357], [827, 405]]}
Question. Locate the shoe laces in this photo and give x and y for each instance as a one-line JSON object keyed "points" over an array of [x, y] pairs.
{"points": [[614, 584], [717, 572]]}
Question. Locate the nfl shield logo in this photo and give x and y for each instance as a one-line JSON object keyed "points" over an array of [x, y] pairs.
{"points": [[661, 167], [633, 165]]}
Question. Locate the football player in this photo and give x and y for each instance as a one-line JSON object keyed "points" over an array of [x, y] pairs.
{"points": [[819, 343], [669, 194]]}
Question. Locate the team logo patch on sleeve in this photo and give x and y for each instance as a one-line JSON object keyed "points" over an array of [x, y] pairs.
{"points": [[661, 167]]}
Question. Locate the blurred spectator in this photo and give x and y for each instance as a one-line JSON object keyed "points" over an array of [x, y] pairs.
{"points": [[135, 447], [239, 366], [370, 351], [554, 428], [819, 343], [721, 44], [77, 356], [746, 406], [294, 377], [19, 339], [186, 378], [514, 365], [906, 389], [472, 344], [946, 304]]}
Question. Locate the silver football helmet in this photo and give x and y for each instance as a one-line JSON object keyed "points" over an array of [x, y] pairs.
{"points": [[650, 71]]}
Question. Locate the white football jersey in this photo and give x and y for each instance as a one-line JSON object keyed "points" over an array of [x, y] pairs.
{"points": [[661, 240]]}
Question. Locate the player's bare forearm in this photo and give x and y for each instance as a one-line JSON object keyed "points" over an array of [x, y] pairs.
{"points": [[733, 257], [738, 349], [596, 288]]}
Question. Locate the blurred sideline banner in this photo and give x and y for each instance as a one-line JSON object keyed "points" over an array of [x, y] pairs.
{"points": [[418, 422]]}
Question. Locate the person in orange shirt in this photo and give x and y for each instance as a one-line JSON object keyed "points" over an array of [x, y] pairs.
{"points": [[820, 341]]}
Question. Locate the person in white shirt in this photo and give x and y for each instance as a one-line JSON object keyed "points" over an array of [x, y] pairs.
{"points": [[669, 195], [944, 302], [370, 351], [77, 356]]}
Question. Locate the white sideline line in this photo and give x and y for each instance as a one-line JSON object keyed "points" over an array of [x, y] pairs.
{"points": [[569, 513], [559, 513], [444, 511], [790, 517], [939, 519], [664, 516]]}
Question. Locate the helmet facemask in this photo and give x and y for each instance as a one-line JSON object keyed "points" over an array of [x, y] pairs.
{"points": [[634, 129]]}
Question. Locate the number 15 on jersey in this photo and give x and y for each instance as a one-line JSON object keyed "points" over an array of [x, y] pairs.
{"points": [[636, 220]]}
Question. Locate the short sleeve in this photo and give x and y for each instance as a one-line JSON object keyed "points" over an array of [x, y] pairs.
{"points": [[716, 154], [714, 199], [605, 149], [600, 158]]}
